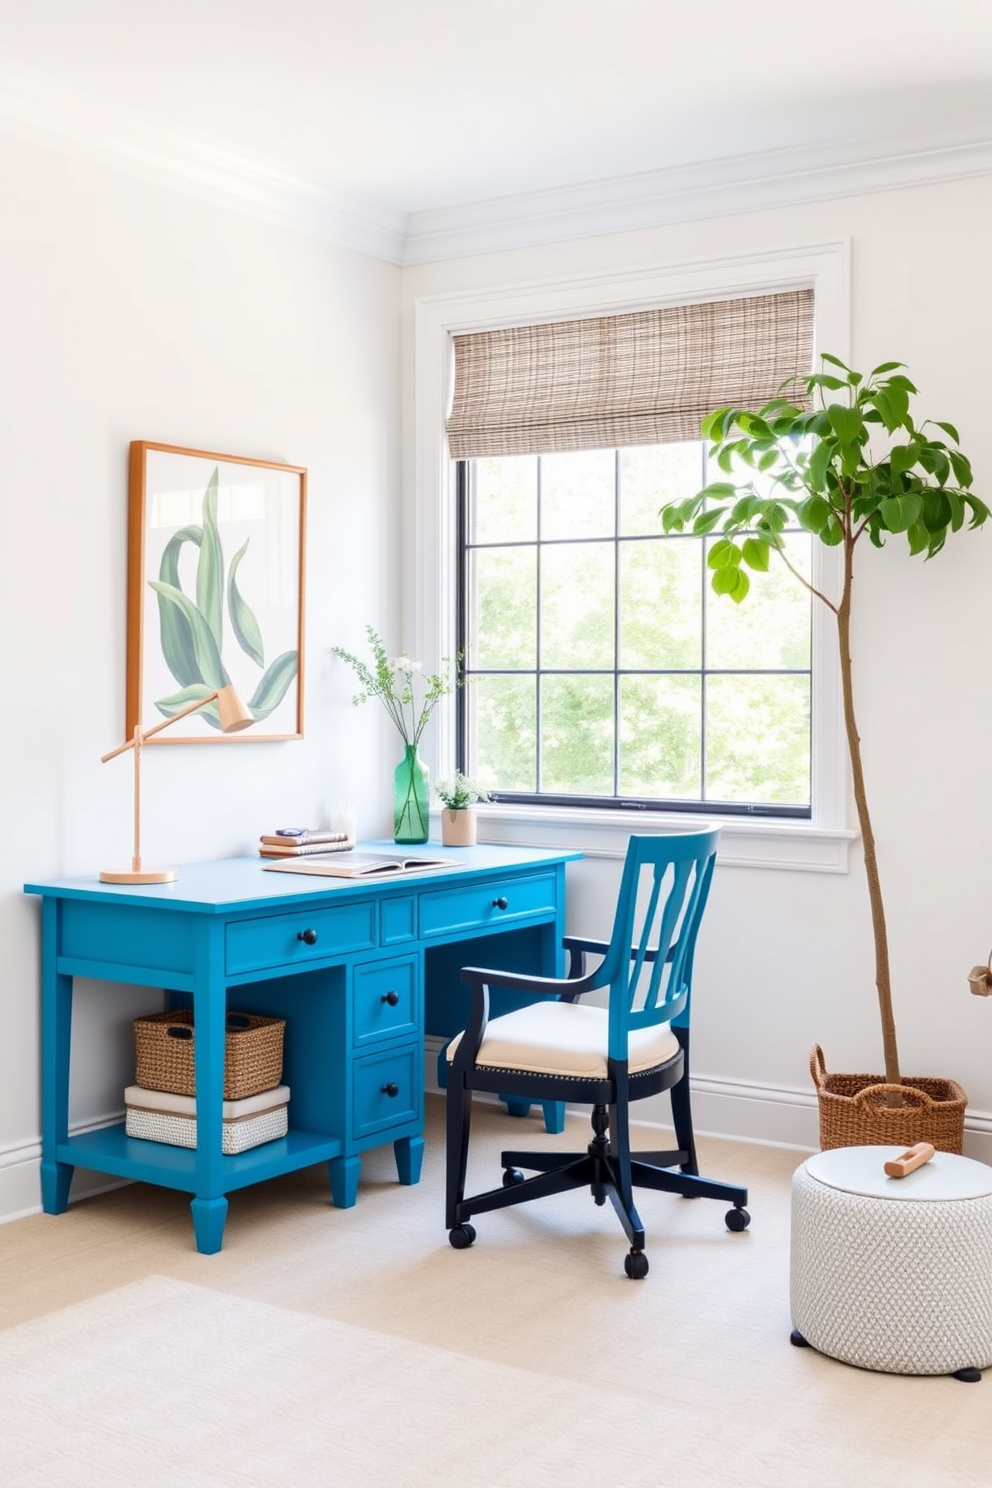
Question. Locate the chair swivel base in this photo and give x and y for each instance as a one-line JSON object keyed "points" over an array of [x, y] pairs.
{"points": [[600, 1169]]}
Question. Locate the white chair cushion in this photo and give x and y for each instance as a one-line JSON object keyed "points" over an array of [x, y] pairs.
{"points": [[565, 1038]]}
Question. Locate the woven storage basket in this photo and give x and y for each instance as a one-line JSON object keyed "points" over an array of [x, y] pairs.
{"points": [[165, 1043], [853, 1112]]}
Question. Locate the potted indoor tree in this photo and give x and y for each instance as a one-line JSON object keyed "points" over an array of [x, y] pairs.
{"points": [[844, 462], [458, 797]]}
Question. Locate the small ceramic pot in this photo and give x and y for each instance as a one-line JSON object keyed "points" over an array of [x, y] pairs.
{"points": [[458, 827]]}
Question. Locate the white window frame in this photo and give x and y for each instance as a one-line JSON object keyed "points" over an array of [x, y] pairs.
{"points": [[429, 580]]}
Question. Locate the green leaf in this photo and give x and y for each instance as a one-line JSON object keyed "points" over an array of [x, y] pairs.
{"points": [[948, 429], [956, 502], [706, 521], [210, 569], [919, 538], [243, 622], [743, 510], [833, 533], [814, 514], [900, 512], [211, 668], [936, 511], [979, 511], [176, 637], [961, 467], [723, 554], [819, 460], [755, 554], [825, 356], [731, 581], [824, 379], [885, 367], [274, 685], [846, 423]]}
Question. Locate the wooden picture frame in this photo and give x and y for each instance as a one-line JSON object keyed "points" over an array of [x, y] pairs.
{"points": [[215, 591]]}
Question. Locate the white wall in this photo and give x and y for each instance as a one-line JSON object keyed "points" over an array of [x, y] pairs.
{"points": [[786, 958], [131, 311]]}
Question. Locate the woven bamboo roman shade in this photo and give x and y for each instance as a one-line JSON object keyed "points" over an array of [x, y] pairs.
{"points": [[648, 377]]}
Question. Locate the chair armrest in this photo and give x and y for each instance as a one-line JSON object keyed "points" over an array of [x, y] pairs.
{"points": [[481, 980]]}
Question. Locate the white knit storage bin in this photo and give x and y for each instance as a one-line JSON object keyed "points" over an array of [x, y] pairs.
{"points": [[160, 1116], [893, 1274]]}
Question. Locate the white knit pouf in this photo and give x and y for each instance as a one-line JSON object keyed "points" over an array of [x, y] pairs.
{"points": [[893, 1274]]}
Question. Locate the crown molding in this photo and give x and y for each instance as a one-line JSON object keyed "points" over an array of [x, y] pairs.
{"points": [[718, 188], [78, 128], [35, 111]]}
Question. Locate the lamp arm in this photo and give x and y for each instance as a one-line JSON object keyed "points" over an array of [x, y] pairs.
{"points": [[158, 727]]}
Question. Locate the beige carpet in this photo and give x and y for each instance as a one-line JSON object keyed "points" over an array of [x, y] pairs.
{"points": [[326, 1347]]}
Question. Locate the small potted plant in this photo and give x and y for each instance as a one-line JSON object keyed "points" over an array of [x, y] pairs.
{"points": [[844, 462], [458, 797]]}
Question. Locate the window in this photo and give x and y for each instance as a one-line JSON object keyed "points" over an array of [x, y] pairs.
{"points": [[602, 669], [820, 844], [604, 674]]}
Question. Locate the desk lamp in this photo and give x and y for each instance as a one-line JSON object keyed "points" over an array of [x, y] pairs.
{"points": [[234, 716]]}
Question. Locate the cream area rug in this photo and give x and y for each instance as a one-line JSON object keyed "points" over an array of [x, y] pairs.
{"points": [[167, 1385], [329, 1348]]}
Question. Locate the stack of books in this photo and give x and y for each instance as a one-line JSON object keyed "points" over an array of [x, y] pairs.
{"points": [[299, 842]]}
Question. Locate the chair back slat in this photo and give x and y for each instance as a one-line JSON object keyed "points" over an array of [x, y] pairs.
{"points": [[648, 966]]}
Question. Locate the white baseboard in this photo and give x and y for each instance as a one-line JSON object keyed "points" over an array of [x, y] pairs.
{"points": [[20, 1176], [765, 1114]]}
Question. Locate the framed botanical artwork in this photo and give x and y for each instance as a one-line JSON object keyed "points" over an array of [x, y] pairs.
{"points": [[215, 591]]}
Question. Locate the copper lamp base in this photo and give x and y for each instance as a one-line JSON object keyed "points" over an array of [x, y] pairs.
{"points": [[139, 875]]}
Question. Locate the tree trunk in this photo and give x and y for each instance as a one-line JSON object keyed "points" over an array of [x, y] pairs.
{"points": [[882, 978]]}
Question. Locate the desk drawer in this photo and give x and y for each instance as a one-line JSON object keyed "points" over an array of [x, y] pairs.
{"points": [[388, 1090], [487, 906], [385, 1001], [292, 940]]}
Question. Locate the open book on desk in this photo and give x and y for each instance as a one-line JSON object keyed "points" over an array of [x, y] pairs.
{"points": [[360, 865]]}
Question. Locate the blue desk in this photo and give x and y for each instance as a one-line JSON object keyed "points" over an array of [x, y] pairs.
{"points": [[345, 962]]}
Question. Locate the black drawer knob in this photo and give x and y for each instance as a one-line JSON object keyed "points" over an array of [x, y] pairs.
{"points": [[391, 997], [309, 937], [499, 903], [391, 1089]]}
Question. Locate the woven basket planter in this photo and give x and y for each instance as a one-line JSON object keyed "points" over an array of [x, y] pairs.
{"points": [[854, 1113], [165, 1053]]}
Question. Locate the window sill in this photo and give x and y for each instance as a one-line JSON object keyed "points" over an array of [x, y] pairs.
{"points": [[799, 847]]}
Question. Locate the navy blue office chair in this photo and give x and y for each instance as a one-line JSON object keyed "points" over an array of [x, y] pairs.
{"points": [[560, 1049]]}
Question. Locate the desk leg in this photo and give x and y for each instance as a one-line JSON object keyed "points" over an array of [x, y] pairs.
{"points": [[208, 1224], [344, 1174], [554, 1112], [55, 1180], [56, 1028], [409, 1154]]}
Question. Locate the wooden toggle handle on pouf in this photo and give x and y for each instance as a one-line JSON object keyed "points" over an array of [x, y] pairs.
{"points": [[911, 1159]]}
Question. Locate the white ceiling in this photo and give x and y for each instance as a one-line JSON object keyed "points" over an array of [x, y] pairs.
{"points": [[407, 115]]}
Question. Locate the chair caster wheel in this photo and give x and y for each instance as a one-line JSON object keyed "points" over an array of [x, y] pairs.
{"points": [[737, 1220], [461, 1237], [636, 1265], [511, 1177]]}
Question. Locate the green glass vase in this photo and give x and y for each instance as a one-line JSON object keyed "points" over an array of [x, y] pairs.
{"points": [[411, 798]]}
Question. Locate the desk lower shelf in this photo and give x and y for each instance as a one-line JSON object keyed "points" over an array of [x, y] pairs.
{"points": [[111, 1150]]}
